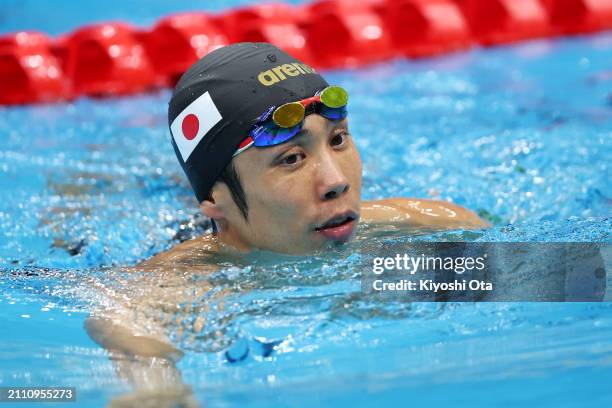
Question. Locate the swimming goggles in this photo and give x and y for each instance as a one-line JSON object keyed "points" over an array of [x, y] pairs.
{"points": [[280, 123]]}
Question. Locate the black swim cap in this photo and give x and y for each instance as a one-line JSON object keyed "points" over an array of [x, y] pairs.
{"points": [[216, 102]]}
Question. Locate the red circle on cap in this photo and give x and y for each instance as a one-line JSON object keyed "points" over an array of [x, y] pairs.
{"points": [[190, 126]]}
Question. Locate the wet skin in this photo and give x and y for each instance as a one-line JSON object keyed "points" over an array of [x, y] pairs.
{"points": [[298, 188], [292, 190]]}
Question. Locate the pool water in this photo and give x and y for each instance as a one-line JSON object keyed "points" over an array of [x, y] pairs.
{"points": [[520, 134]]}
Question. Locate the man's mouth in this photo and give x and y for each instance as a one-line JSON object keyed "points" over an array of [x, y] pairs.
{"points": [[339, 227]]}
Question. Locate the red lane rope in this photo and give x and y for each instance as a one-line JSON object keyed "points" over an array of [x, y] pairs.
{"points": [[117, 59]]}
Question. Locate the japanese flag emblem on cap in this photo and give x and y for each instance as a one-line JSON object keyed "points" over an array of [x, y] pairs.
{"points": [[193, 123]]}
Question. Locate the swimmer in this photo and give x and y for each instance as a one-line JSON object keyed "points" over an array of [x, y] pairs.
{"points": [[265, 143]]}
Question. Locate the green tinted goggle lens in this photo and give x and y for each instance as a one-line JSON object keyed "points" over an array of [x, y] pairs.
{"points": [[334, 97], [292, 113]]}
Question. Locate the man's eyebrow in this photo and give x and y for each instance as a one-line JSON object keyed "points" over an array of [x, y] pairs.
{"points": [[299, 136], [303, 133], [281, 148], [340, 124]]}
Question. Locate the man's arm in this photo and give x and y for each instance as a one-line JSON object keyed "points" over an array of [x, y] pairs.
{"points": [[131, 328], [120, 339], [146, 363], [420, 213]]}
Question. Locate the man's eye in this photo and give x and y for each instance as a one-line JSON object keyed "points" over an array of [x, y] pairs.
{"points": [[292, 159], [339, 138]]}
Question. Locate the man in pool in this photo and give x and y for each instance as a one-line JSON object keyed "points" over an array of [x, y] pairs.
{"points": [[265, 142]]}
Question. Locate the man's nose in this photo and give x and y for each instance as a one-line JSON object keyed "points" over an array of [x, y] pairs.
{"points": [[332, 181]]}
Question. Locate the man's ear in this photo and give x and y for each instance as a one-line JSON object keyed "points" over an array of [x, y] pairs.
{"points": [[212, 210]]}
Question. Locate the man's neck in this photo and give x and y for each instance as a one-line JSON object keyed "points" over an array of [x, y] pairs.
{"points": [[232, 241]]}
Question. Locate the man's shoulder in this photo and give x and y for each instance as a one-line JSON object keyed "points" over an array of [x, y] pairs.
{"points": [[190, 252], [419, 212]]}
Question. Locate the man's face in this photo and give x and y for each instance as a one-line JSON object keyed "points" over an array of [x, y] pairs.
{"points": [[301, 194]]}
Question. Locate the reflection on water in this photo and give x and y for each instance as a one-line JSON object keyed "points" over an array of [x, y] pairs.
{"points": [[283, 321]]}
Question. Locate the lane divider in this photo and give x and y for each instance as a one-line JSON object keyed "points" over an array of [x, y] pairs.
{"points": [[117, 59]]}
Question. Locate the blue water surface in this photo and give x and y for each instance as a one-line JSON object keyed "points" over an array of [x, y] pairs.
{"points": [[520, 134]]}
